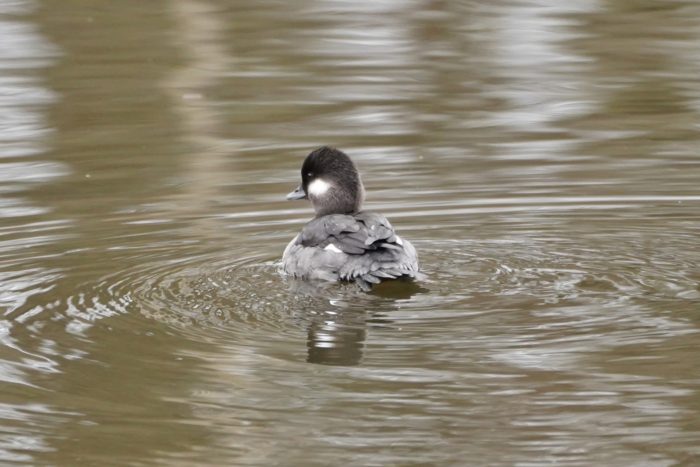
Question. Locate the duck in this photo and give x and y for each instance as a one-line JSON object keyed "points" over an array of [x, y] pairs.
{"points": [[343, 243]]}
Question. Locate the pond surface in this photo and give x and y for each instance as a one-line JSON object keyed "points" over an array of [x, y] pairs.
{"points": [[543, 157]]}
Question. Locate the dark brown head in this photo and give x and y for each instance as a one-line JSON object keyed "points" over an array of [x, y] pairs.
{"points": [[330, 180]]}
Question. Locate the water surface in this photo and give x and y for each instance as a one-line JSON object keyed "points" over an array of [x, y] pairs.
{"points": [[543, 158]]}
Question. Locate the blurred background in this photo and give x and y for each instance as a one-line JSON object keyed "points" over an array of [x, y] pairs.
{"points": [[543, 157]]}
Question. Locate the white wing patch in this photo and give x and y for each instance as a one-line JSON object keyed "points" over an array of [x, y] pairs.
{"points": [[333, 248], [319, 187]]}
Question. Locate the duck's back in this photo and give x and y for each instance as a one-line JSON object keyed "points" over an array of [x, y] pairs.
{"points": [[362, 247]]}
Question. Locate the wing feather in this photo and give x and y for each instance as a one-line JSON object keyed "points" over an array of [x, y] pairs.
{"points": [[374, 250]]}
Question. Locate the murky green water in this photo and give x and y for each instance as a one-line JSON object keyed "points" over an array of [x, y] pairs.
{"points": [[544, 158]]}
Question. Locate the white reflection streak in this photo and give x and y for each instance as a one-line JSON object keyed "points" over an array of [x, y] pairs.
{"points": [[22, 125], [22, 132], [541, 75], [199, 28], [384, 44], [199, 37]]}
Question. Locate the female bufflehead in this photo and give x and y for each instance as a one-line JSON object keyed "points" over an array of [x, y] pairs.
{"points": [[342, 242]]}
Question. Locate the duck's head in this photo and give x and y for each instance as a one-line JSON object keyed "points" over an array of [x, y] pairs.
{"points": [[330, 180]]}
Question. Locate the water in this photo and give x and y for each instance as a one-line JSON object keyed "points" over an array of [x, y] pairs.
{"points": [[543, 158]]}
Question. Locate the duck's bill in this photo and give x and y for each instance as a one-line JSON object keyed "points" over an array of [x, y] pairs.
{"points": [[299, 193]]}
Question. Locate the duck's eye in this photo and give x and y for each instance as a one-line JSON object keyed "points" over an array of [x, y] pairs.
{"points": [[309, 174]]}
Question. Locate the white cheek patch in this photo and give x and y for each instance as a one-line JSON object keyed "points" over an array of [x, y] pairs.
{"points": [[319, 187], [333, 248]]}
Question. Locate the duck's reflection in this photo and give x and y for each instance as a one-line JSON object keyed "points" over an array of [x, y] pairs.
{"points": [[337, 340], [338, 337]]}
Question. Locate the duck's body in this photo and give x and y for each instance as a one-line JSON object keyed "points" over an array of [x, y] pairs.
{"points": [[342, 242]]}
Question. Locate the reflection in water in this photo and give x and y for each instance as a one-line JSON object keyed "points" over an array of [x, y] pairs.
{"points": [[538, 73], [199, 36], [544, 157], [337, 339], [24, 234]]}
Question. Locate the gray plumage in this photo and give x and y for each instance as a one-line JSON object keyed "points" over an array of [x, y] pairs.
{"points": [[342, 242], [370, 250]]}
